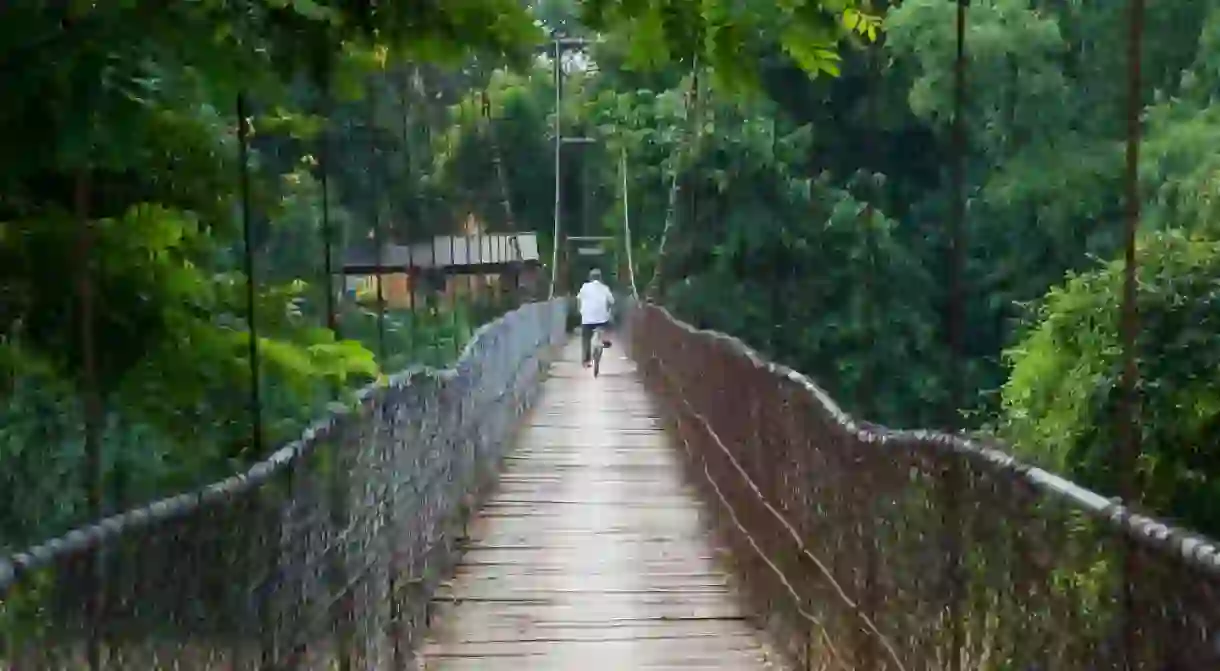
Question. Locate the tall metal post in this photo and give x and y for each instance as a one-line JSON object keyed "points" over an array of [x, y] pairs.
{"points": [[555, 129], [409, 171], [1129, 429], [954, 480], [375, 198], [93, 477], [560, 44]]}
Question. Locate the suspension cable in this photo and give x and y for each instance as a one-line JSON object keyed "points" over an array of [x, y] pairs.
{"points": [[635, 293], [1129, 429], [690, 108]]}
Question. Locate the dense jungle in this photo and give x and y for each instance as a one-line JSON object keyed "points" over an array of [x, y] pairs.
{"points": [[786, 169]]}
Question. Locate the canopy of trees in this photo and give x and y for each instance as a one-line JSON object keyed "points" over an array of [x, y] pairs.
{"points": [[792, 156], [123, 204], [811, 220]]}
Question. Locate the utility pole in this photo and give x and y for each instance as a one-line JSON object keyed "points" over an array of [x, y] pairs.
{"points": [[559, 46]]}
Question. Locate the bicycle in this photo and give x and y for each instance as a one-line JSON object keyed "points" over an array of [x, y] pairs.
{"points": [[598, 344]]}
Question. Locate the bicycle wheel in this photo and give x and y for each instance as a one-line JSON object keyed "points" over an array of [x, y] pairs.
{"points": [[597, 353]]}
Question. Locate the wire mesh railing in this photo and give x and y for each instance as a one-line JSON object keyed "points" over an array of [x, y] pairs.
{"points": [[322, 556], [867, 548]]}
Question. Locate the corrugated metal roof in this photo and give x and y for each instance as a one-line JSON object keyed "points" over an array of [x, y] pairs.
{"points": [[446, 251]]}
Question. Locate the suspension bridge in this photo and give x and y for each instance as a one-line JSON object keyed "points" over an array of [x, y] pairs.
{"points": [[697, 506]]}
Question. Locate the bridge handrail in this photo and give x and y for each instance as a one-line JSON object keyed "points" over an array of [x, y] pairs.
{"points": [[507, 353], [1197, 550], [869, 547], [88, 536]]}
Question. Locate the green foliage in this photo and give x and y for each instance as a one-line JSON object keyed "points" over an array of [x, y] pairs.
{"points": [[1016, 49], [732, 37], [517, 120], [1059, 400], [1180, 164], [803, 269], [808, 219], [767, 254], [1065, 378], [774, 241], [822, 284], [122, 175]]}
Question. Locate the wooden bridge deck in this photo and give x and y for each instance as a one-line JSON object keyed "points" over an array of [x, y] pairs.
{"points": [[591, 555]]}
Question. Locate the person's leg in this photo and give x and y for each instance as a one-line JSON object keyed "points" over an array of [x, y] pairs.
{"points": [[586, 334]]}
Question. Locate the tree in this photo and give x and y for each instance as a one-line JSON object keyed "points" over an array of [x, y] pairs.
{"points": [[731, 37], [123, 175], [1065, 378]]}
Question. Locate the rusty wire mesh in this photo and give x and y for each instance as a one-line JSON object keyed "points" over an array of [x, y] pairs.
{"points": [[873, 549], [323, 556]]}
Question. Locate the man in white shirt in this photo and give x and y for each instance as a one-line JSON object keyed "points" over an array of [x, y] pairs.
{"points": [[594, 302]]}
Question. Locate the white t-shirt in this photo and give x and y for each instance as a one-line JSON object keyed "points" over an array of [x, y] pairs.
{"points": [[594, 300]]}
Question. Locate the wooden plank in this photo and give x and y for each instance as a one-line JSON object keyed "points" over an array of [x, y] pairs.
{"points": [[454, 616], [592, 554]]}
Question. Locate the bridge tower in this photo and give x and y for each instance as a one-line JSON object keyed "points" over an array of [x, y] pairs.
{"points": [[572, 254]]}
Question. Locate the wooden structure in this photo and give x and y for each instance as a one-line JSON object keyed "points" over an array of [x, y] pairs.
{"points": [[448, 266], [592, 554]]}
